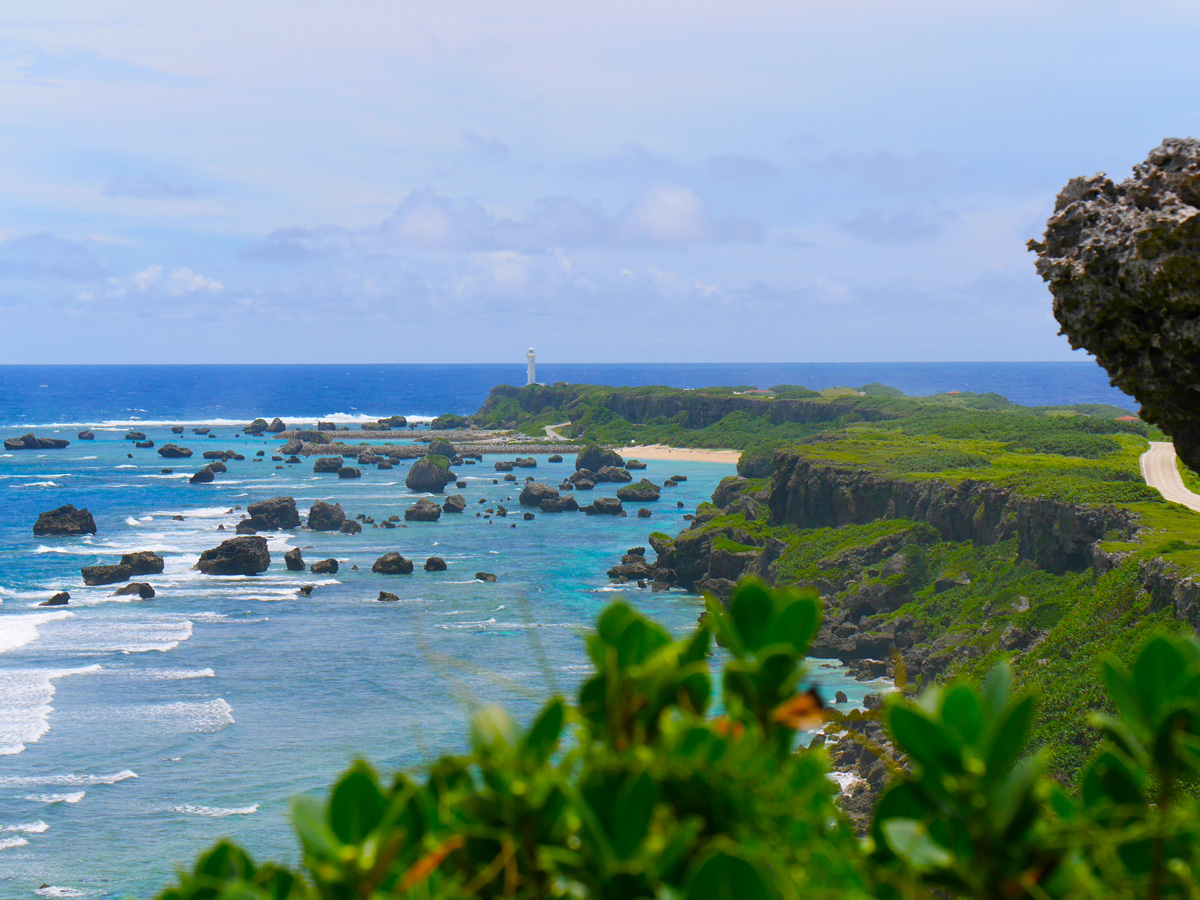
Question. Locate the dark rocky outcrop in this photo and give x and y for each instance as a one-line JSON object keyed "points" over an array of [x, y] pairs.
{"points": [[65, 520], [144, 445], [605, 506], [62, 598], [593, 457], [143, 562], [1123, 263], [276, 426], [276, 514], [386, 597], [327, 464], [29, 442], [174, 451], [349, 472], [392, 564], [554, 458], [97, 575], [487, 577], [634, 464], [324, 567], [245, 527], [565, 503], [135, 589], [429, 474], [204, 476], [527, 462], [324, 516], [439, 447], [504, 465], [86, 435], [350, 527], [176, 429], [645, 491], [535, 492], [294, 560], [615, 474], [292, 447], [135, 435], [1056, 536], [217, 468], [455, 503], [246, 555], [424, 510], [435, 564]]}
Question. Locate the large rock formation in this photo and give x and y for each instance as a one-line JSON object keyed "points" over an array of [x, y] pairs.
{"points": [[1123, 263], [276, 514], [246, 555], [96, 575], [535, 492], [455, 503], [392, 564], [643, 492], [174, 451], [139, 589], [593, 457], [424, 510], [324, 516], [65, 520], [143, 562], [439, 447], [429, 473], [29, 442], [294, 560], [614, 474], [326, 464], [276, 426]]}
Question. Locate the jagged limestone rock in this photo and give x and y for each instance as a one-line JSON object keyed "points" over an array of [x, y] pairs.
{"points": [[1123, 263]]}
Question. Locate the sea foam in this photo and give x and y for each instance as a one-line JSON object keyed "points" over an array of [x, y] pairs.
{"points": [[25, 708], [216, 812]]}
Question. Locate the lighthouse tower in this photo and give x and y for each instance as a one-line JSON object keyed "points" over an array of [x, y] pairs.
{"points": [[531, 367]]}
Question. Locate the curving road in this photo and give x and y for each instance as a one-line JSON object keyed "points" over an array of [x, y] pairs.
{"points": [[1158, 468]]}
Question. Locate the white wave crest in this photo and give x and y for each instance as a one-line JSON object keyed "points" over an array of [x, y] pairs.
{"points": [[203, 716], [216, 812], [12, 843], [72, 780], [48, 799], [37, 827], [53, 890], [25, 708], [17, 631]]}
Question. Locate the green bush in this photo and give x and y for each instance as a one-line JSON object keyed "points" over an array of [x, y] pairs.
{"points": [[637, 791]]}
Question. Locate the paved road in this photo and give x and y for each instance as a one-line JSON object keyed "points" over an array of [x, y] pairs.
{"points": [[552, 432], [1158, 468]]}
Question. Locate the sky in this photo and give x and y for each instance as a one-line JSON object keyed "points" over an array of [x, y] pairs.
{"points": [[621, 182]]}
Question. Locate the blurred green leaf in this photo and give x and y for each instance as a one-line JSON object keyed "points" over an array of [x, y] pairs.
{"points": [[356, 804], [909, 839]]}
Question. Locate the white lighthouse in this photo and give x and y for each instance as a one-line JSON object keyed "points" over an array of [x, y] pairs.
{"points": [[531, 367]]}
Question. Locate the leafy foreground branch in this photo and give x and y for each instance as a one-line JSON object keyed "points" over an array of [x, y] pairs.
{"points": [[635, 792]]}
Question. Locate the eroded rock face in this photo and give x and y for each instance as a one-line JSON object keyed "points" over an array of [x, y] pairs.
{"points": [[326, 516], [455, 503], [294, 560], [65, 520], [246, 555], [30, 442], [324, 567], [424, 510], [276, 514], [1123, 263], [430, 474], [174, 451], [96, 575], [326, 464], [440, 447], [138, 589], [594, 458], [535, 492], [392, 564], [644, 491], [143, 562]]}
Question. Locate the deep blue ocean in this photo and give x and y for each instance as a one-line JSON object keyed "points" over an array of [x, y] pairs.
{"points": [[135, 733]]}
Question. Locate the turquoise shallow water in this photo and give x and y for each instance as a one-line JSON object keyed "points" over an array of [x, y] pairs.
{"points": [[135, 733]]}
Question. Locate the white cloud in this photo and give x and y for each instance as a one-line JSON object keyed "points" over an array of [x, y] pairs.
{"points": [[178, 282], [667, 213]]}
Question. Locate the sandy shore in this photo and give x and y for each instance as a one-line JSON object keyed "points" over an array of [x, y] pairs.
{"points": [[683, 454]]}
